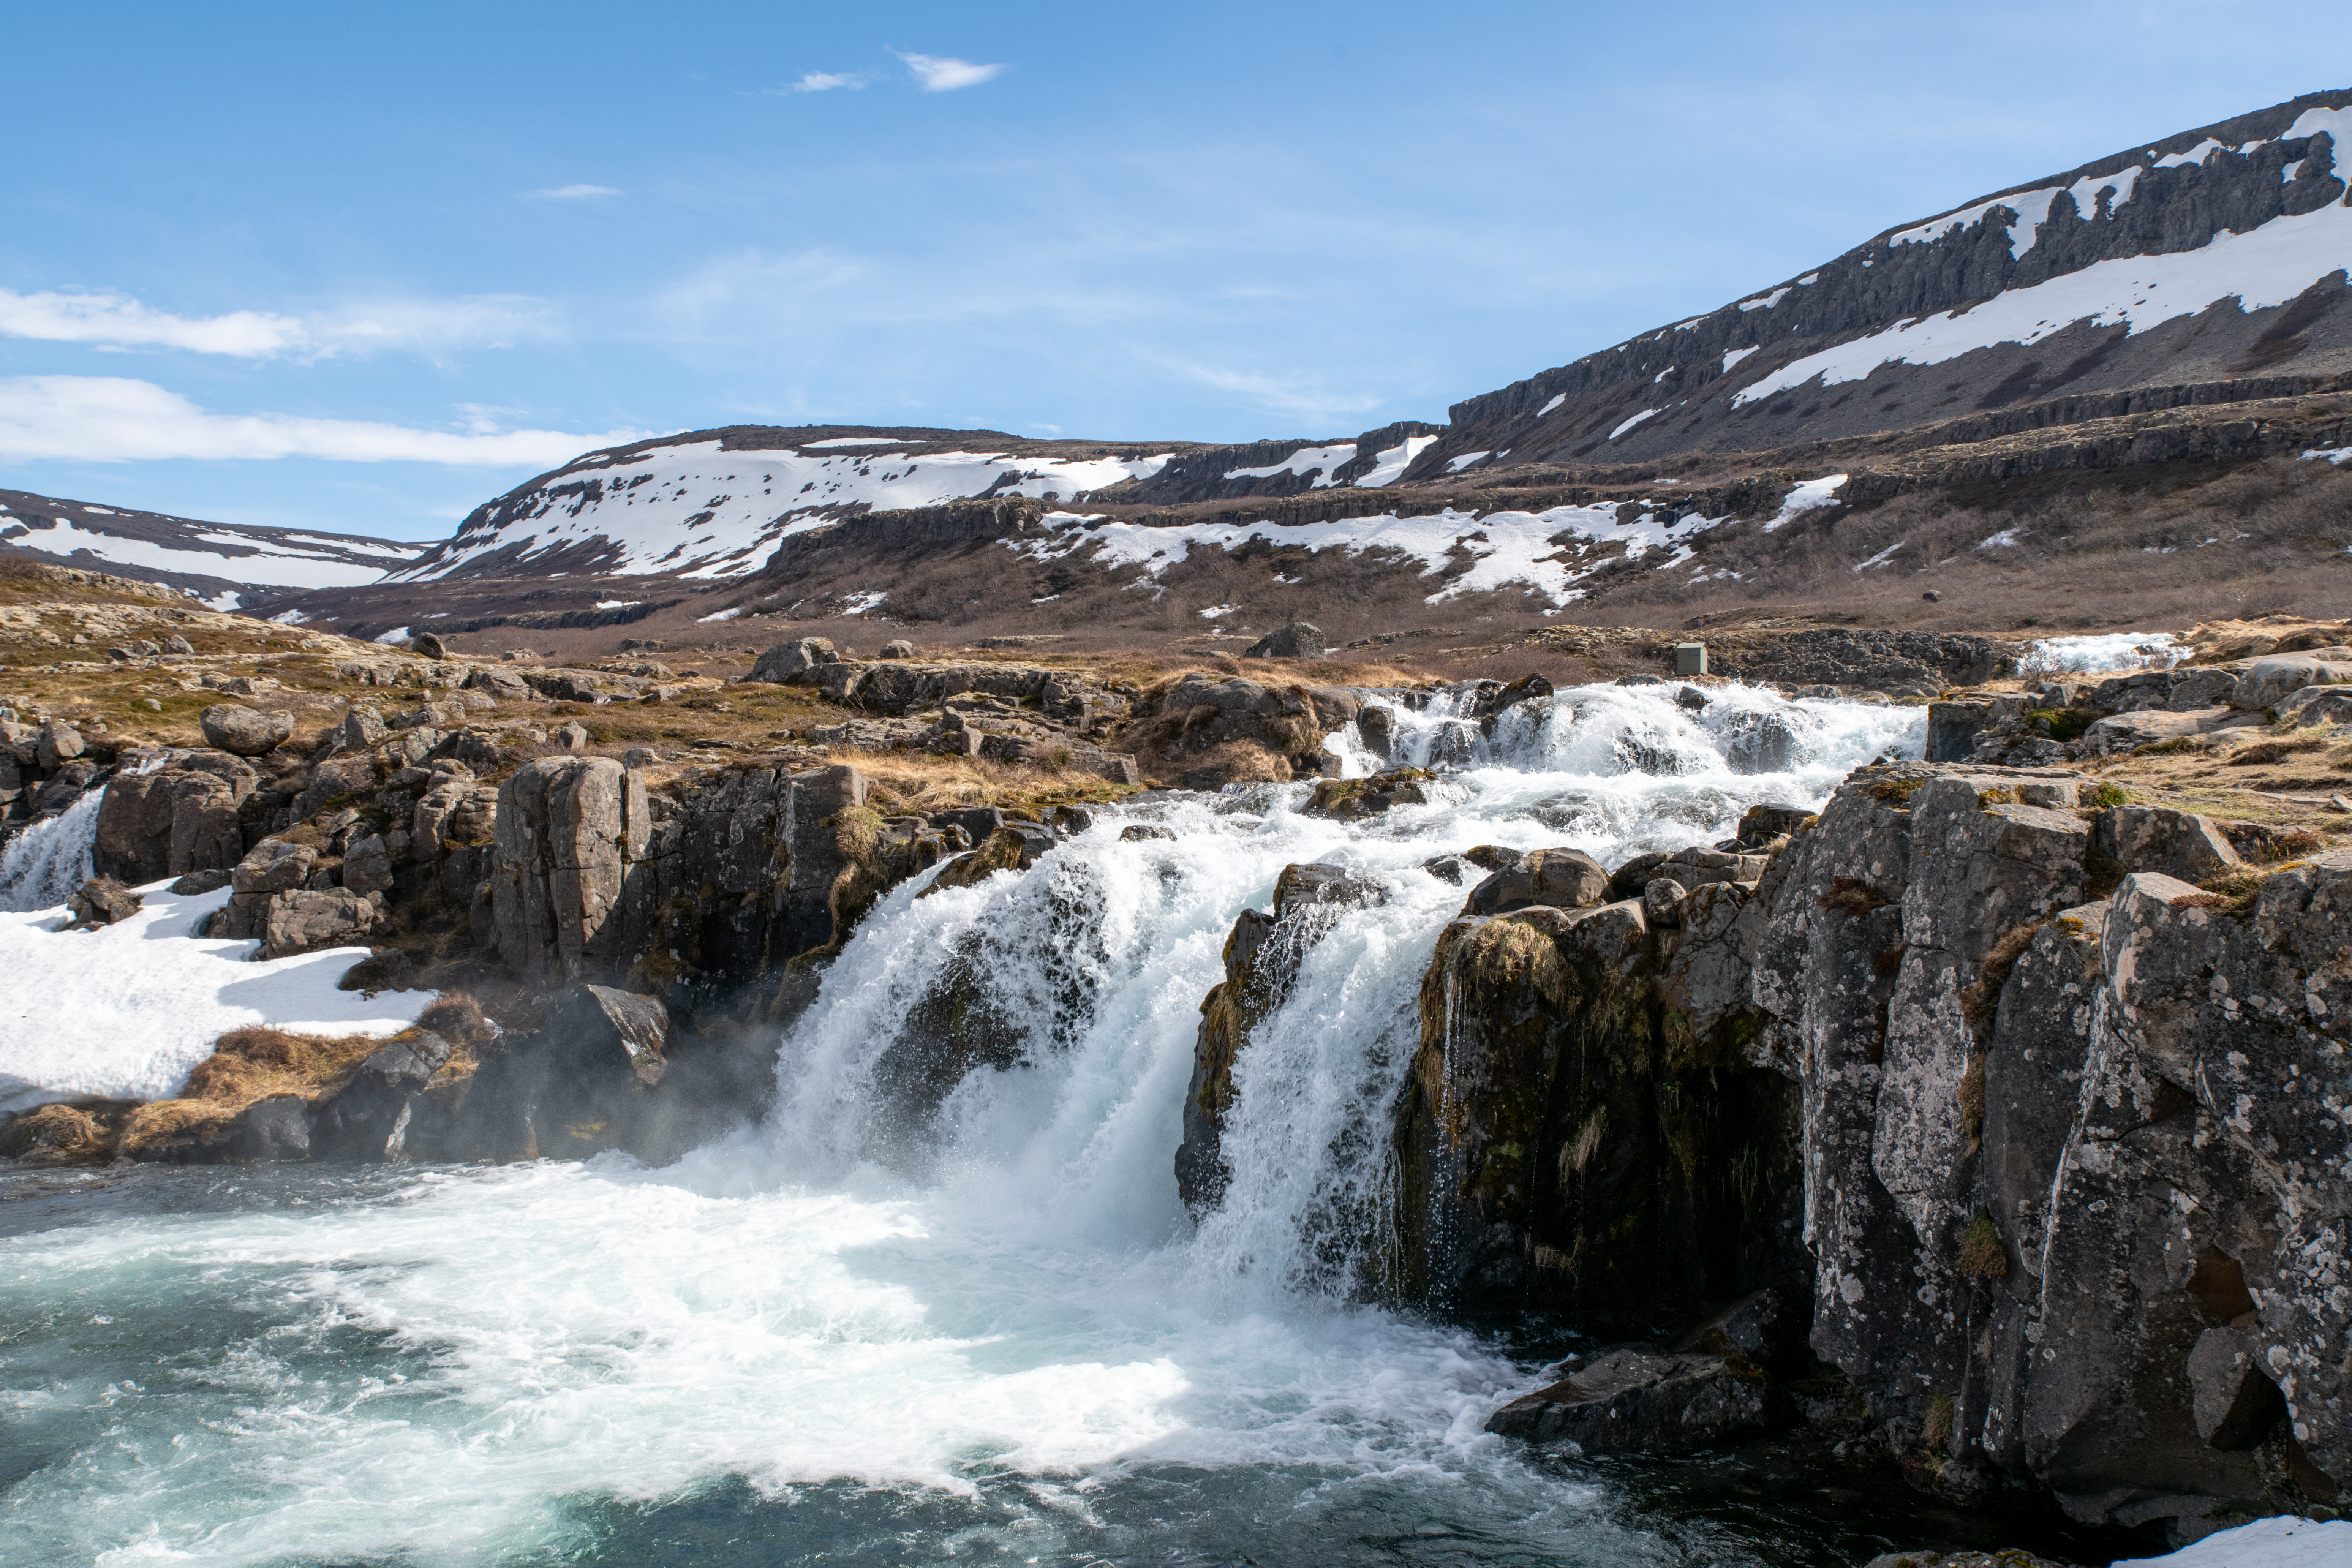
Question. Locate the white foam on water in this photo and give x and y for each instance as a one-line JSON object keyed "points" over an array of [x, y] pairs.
{"points": [[2090, 653], [876, 1287], [46, 860]]}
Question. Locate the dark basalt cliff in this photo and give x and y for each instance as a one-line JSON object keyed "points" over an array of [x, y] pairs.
{"points": [[2124, 206], [2052, 1150]]}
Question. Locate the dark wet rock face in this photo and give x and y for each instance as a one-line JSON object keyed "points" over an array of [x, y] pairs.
{"points": [[1261, 958], [2060, 1179], [1639, 1400]]}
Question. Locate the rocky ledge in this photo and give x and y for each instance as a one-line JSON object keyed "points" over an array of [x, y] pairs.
{"points": [[2001, 1142]]}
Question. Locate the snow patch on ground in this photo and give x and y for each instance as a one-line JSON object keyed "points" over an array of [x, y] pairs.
{"points": [[2282, 1542], [1645, 414], [1734, 357], [1389, 465], [125, 1011], [1456, 464], [1316, 461], [1557, 398], [719, 616], [1804, 497], [701, 511], [271, 564], [2339, 456], [397, 635], [1547, 551], [2260, 267]]}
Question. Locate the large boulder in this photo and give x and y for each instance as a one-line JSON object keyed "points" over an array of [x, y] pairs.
{"points": [[308, 920], [592, 1079], [2157, 838], [794, 663], [2268, 682], [102, 901], [366, 1118], [1564, 878], [244, 732], [1207, 731], [569, 830], [1637, 1399], [171, 822], [58, 744], [1297, 640]]}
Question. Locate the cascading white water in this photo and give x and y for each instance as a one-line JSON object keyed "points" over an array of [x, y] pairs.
{"points": [[46, 860], [988, 1304]]}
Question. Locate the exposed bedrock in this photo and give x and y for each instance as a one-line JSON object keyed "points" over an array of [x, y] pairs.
{"points": [[2059, 1184]]}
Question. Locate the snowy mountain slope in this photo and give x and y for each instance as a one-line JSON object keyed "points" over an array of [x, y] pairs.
{"points": [[222, 564], [2214, 255], [713, 504]]}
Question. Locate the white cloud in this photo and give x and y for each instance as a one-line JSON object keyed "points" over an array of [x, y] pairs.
{"points": [[104, 419], [573, 192], [117, 321], [1285, 395], [944, 73], [827, 82]]}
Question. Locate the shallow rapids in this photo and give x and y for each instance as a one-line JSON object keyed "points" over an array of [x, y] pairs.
{"points": [[883, 1326]]}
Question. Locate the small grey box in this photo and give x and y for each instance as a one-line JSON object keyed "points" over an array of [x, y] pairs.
{"points": [[1690, 658]]}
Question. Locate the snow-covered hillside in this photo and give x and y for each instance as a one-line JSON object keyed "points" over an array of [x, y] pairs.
{"points": [[713, 504], [2211, 265], [222, 564]]}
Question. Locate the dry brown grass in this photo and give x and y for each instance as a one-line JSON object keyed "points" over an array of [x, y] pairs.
{"points": [[58, 1134], [254, 1063], [916, 783]]}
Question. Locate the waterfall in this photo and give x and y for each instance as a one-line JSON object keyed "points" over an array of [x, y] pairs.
{"points": [[946, 1291], [45, 861]]}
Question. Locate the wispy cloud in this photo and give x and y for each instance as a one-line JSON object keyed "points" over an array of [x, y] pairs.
{"points": [[827, 81], [119, 321], [110, 419], [1288, 396], [944, 73], [573, 193]]}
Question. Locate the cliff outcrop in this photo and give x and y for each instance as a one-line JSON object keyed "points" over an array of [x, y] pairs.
{"points": [[2066, 1174]]}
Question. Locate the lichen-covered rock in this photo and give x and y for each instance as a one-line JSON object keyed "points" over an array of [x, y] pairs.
{"points": [[1297, 640], [1556, 1152], [2156, 838], [569, 830], [244, 731], [1564, 878], [1208, 731], [1348, 799], [791, 662]]}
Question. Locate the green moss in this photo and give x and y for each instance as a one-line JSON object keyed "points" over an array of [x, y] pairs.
{"points": [[2065, 723], [1981, 1254], [1937, 1430]]}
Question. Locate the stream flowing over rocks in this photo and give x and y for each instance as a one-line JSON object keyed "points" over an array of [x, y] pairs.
{"points": [[1182, 1177]]}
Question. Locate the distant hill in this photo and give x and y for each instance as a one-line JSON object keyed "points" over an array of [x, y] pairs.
{"points": [[2094, 397], [227, 565]]}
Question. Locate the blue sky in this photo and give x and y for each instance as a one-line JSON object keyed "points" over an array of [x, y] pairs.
{"points": [[363, 269]]}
